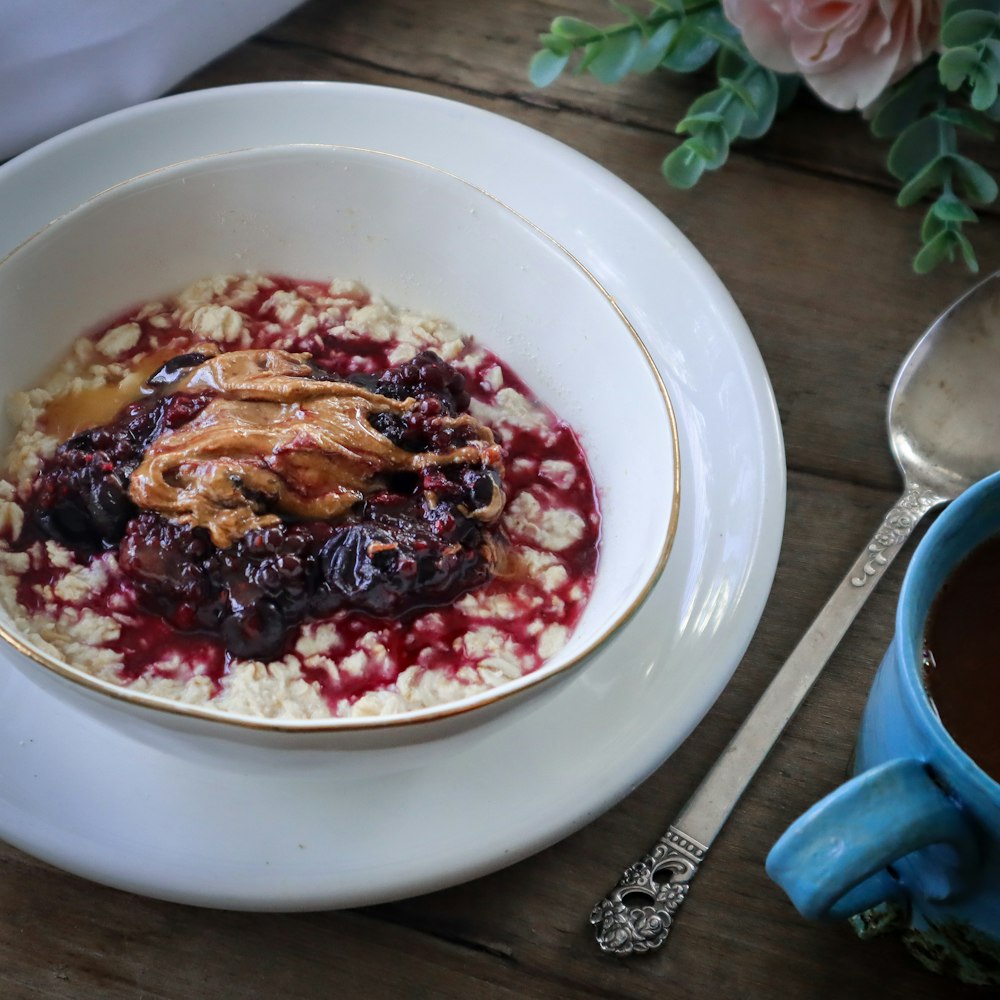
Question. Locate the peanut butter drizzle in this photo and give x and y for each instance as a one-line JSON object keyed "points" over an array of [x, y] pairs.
{"points": [[276, 441]]}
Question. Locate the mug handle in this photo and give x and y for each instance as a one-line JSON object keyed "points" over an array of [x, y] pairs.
{"points": [[832, 860]]}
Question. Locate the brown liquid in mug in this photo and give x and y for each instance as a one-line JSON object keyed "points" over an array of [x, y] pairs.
{"points": [[962, 645]]}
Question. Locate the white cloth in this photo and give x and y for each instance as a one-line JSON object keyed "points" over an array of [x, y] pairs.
{"points": [[63, 62]]}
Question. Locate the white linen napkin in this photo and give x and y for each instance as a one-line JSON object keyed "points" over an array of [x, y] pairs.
{"points": [[63, 62]]}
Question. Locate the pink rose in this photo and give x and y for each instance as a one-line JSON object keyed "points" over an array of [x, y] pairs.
{"points": [[848, 51]]}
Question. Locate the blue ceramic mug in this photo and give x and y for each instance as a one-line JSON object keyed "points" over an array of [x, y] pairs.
{"points": [[912, 841]]}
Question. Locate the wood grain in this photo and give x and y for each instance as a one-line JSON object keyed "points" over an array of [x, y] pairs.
{"points": [[802, 229]]}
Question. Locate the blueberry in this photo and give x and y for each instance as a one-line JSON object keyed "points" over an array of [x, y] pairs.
{"points": [[255, 632], [390, 564], [482, 487]]}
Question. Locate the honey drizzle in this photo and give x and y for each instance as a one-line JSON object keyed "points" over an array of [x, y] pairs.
{"points": [[72, 412]]}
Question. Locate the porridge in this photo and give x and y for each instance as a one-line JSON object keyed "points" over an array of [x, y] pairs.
{"points": [[286, 499]]}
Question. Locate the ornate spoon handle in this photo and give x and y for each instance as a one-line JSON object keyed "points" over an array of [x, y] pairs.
{"points": [[637, 914]]}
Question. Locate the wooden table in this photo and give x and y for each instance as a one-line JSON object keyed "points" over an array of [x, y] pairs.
{"points": [[803, 230]]}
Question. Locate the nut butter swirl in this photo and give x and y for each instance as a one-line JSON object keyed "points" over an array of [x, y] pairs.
{"points": [[277, 440]]}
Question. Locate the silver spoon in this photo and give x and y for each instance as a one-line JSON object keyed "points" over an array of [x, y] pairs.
{"points": [[944, 431]]}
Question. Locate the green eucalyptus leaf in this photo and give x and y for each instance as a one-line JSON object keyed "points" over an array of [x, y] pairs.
{"points": [[931, 226], [719, 103], [932, 176], [762, 87], [968, 27], [934, 252], [916, 146], [974, 181], [712, 23], [984, 91], [590, 52], [695, 123], [958, 65], [545, 67], [655, 47], [756, 125], [691, 48], [726, 39], [713, 20], [632, 16], [575, 30], [683, 167], [968, 254], [713, 101], [733, 118], [712, 145], [991, 51], [739, 91], [989, 56], [964, 118], [617, 54], [949, 208], [701, 149], [555, 43], [954, 7], [731, 63]]}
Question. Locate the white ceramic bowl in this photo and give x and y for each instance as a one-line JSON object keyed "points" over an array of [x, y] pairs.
{"points": [[420, 238]]}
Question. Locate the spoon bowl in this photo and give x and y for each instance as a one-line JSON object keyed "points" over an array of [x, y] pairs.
{"points": [[944, 407]]}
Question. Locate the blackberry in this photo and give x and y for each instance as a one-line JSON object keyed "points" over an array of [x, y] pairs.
{"points": [[80, 497], [168, 566], [256, 631], [265, 584], [81, 500], [426, 376], [439, 392]]}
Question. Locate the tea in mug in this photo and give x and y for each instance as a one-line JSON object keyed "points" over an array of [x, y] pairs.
{"points": [[962, 655]]}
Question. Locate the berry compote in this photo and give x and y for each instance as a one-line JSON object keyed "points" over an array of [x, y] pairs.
{"points": [[413, 540], [217, 526]]}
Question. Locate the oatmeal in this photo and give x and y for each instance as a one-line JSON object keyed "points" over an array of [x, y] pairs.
{"points": [[286, 499]]}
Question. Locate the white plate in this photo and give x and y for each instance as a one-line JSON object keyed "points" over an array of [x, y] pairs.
{"points": [[360, 828]]}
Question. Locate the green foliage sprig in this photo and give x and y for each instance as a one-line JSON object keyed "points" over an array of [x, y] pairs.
{"points": [[682, 36], [954, 93]]}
